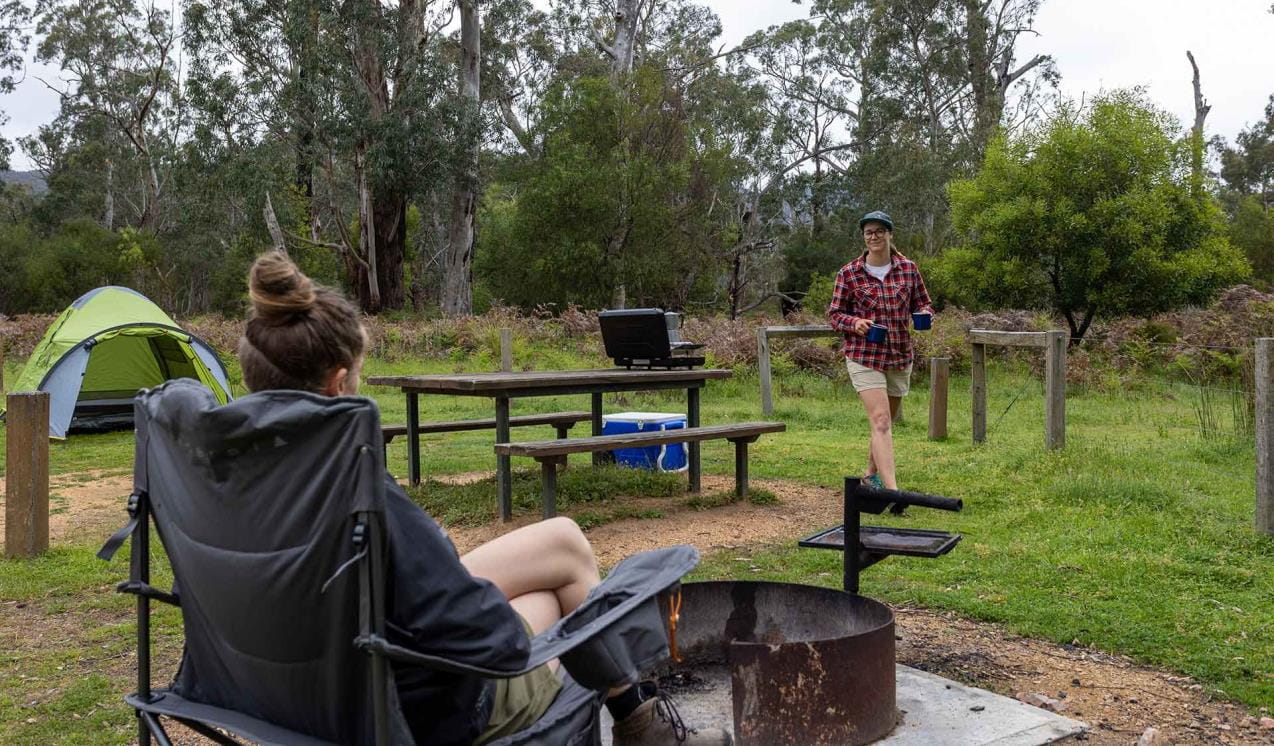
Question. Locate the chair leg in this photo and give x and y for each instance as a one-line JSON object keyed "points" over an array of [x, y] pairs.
{"points": [[151, 726], [548, 474]]}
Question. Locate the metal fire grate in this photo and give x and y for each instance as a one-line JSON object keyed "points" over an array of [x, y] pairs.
{"points": [[912, 542]]}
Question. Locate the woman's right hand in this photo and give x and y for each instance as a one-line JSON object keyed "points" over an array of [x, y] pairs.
{"points": [[861, 326]]}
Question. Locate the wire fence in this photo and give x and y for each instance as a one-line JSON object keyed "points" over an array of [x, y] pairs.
{"points": [[1222, 402]]}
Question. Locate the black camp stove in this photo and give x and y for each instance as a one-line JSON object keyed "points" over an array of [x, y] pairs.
{"points": [[783, 663], [647, 338]]}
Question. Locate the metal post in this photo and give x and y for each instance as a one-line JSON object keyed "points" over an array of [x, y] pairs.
{"points": [[503, 463], [939, 378], [851, 525], [763, 369], [413, 437], [692, 448], [140, 550], [598, 457], [26, 504], [978, 363], [1265, 435], [1055, 390], [740, 468]]}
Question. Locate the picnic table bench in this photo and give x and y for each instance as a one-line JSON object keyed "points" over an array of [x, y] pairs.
{"points": [[562, 422], [550, 452]]}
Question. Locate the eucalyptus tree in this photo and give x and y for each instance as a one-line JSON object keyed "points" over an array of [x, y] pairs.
{"points": [[364, 91], [14, 20], [933, 80], [118, 65], [1247, 176]]}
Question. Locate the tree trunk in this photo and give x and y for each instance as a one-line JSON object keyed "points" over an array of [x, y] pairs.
{"points": [[389, 216], [624, 47], [986, 114], [1201, 109], [366, 277], [735, 289], [108, 219], [150, 196], [457, 289]]}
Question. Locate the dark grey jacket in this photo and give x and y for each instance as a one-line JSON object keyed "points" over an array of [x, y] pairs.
{"points": [[435, 606]]}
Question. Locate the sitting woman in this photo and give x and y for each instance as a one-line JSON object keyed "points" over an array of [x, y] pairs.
{"points": [[480, 607]]}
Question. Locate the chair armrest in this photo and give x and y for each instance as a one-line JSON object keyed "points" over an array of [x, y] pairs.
{"points": [[617, 631]]}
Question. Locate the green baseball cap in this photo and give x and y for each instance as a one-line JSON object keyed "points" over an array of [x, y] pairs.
{"points": [[879, 217]]}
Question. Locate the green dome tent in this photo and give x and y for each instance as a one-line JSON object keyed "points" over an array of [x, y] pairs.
{"points": [[107, 345]]}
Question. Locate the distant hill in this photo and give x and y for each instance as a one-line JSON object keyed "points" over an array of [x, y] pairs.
{"points": [[30, 179]]}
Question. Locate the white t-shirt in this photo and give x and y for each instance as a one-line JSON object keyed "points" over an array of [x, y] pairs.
{"points": [[878, 272]]}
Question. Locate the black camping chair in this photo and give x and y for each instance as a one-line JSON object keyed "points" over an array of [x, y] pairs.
{"points": [[271, 512]]}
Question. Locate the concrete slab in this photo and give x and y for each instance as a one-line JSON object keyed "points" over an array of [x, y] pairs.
{"points": [[937, 712]]}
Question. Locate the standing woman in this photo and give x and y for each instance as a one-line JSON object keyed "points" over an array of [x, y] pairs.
{"points": [[881, 288]]}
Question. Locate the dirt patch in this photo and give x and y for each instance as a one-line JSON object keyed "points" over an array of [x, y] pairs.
{"points": [[84, 505], [1118, 698], [726, 527]]}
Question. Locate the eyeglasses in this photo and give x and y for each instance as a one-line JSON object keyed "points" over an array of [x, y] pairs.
{"points": [[873, 233]]}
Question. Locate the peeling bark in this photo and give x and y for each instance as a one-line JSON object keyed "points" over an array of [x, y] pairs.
{"points": [[457, 287]]}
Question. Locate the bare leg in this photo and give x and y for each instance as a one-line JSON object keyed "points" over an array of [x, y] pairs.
{"points": [[876, 402], [895, 403], [547, 557], [544, 569]]}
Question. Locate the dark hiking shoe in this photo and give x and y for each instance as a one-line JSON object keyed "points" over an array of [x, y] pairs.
{"points": [[656, 722]]}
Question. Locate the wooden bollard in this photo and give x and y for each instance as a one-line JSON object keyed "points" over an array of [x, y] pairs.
{"points": [[1265, 435], [977, 364], [939, 377], [26, 484], [506, 350], [763, 370], [1055, 389]]}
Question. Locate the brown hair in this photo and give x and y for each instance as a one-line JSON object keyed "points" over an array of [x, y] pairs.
{"points": [[298, 331]]}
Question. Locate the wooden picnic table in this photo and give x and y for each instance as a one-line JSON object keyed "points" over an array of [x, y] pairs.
{"points": [[503, 387]]}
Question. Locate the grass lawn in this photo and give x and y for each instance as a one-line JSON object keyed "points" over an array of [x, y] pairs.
{"points": [[1136, 538]]}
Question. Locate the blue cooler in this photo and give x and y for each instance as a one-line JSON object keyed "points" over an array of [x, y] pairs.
{"points": [[669, 457]]}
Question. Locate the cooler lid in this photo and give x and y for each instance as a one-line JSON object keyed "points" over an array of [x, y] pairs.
{"points": [[643, 417]]}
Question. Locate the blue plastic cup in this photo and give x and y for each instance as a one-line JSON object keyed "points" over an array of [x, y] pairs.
{"points": [[922, 321], [877, 333]]}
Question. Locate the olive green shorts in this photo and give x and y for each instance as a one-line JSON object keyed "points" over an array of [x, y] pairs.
{"points": [[520, 701]]}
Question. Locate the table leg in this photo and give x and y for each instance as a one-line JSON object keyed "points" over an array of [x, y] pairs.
{"points": [[413, 437], [598, 457], [503, 464], [692, 420], [548, 485]]}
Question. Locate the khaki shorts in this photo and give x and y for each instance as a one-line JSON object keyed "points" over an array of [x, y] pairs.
{"points": [[895, 382], [520, 701]]}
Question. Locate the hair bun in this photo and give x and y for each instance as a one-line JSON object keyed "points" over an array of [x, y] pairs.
{"points": [[278, 288]]}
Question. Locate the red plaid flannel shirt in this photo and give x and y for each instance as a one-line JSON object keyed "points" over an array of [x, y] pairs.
{"points": [[858, 295]]}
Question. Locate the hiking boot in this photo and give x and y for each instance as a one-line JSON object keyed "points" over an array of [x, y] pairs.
{"points": [[873, 481], [656, 722]]}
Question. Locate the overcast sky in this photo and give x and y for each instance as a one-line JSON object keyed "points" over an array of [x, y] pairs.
{"points": [[1098, 44]]}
